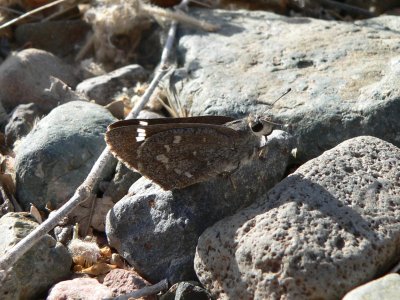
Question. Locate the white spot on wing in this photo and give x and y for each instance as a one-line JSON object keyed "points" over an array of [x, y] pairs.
{"points": [[140, 130], [194, 153], [144, 123], [162, 158], [177, 139], [167, 147], [140, 138], [141, 134], [177, 171], [187, 174]]}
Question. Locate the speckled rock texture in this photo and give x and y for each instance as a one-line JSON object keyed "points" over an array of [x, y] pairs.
{"points": [[156, 231], [121, 282], [385, 288], [186, 290], [104, 88], [21, 121], [28, 76], [330, 226], [343, 76], [56, 156], [79, 288], [46, 263]]}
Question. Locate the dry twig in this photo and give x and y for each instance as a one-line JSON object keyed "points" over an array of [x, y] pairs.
{"points": [[31, 12], [143, 292]]}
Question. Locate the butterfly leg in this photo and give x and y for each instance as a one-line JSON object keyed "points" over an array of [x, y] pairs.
{"points": [[232, 182], [228, 174], [263, 153]]}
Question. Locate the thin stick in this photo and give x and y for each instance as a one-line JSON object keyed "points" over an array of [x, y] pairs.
{"points": [[97, 171], [14, 11], [177, 16], [89, 43], [31, 12], [143, 292]]}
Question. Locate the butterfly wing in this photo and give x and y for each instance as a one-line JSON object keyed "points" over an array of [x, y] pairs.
{"points": [[183, 156], [123, 140], [216, 120]]}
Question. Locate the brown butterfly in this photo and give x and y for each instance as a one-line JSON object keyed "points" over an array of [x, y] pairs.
{"points": [[178, 152]]}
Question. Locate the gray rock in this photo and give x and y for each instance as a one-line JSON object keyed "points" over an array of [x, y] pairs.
{"points": [[46, 263], [123, 179], [21, 121], [104, 88], [79, 288], [157, 230], [187, 290], [3, 116], [56, 156], [59, 37], [330, 226], [26, 77], [122, 282], [343, 76], [385, 288], [10, 288]]}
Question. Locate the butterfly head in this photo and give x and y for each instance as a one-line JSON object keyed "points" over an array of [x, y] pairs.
{"points": [[260, 126]]}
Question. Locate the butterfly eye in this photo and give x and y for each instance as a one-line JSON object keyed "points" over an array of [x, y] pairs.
{"points": [[261, 127], [257, 127]]}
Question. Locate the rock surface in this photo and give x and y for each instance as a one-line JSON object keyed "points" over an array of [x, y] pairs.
{"points": [[340, 89], [121, 282], [46, 263], [79, 288], [123, 179], [28, 76], [21, 122], [156, 231], [186, 290], [58, 37], [59, 152], [104, 88], [386, 288], [330, 226]]}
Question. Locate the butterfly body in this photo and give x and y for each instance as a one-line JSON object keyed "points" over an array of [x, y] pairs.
{"points": [[179, 152]]}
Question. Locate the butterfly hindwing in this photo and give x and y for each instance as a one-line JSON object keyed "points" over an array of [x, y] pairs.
{"points": [[182, 156], [124, 138]]}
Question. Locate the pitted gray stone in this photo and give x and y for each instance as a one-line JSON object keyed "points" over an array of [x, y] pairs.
{"points": [[327, 228]]}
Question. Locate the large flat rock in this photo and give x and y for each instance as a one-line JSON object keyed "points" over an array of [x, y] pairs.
{"points": [[343, 76]]}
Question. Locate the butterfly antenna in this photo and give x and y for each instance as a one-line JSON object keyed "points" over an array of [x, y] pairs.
{"points": [[281, 96]]}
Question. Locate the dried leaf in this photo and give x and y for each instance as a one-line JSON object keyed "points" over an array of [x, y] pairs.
{"points": [[35, 213], [99, 269], [105, 252], [117, 108]]}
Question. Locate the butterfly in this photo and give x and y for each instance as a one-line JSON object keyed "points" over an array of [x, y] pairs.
{"points": [[178, 152]]}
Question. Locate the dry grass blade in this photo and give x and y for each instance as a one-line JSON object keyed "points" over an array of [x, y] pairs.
{"points": [[178, 16], [31, 12]]}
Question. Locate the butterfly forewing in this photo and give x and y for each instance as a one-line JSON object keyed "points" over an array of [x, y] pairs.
{"points": [[180, 157], [216, 120], [122, 137], [122, 142]]}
